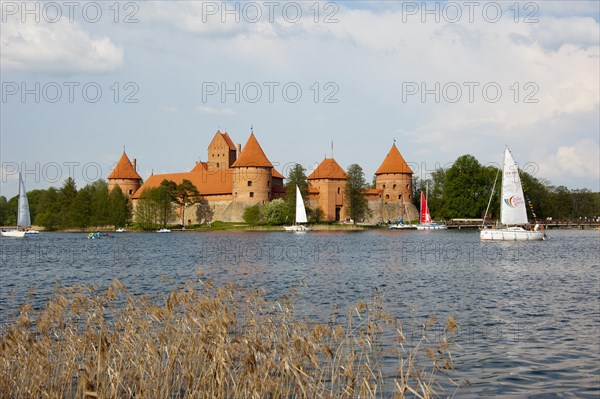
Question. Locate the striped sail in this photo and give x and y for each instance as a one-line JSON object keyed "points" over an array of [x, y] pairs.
{"points": [[512, 207], [23, 218], [300, 210]]}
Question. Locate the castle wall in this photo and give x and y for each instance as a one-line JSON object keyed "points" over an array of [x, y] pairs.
{"points": [[128, 186], [331, 197], [396, 187], [383, 211], [252, 184]]}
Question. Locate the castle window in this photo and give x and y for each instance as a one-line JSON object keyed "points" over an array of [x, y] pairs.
{"points": [[217, 164], [249, 183], [130, 192], [384, 186], [339, 190], [407, 186], [251, 194], [400, 196], [387, 196], [394, 187], [268, 184]]}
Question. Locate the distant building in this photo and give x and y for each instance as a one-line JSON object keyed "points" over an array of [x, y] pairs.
{"points": [[125, 176], [391, 199], [235, 178]]}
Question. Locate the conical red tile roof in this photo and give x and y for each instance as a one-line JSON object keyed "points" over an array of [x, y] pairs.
{"points": [[124, 169], [393, 163], [252, 155], [328, 169]]}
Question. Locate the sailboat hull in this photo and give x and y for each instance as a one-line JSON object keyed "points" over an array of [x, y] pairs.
{"points": [[13, 233], [297, 228], [432, 226], [511, 234]]}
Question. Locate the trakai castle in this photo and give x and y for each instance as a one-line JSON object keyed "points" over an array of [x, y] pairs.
{"points": [[235, 178]]}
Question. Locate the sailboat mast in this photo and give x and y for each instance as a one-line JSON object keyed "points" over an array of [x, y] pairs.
{"points": [[19, 202]]}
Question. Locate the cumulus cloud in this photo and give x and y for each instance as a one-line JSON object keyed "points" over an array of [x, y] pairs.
{"points": [[60, 47], [581, 159], [214, 111]]}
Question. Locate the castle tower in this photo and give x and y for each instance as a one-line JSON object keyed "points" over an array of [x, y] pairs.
{"points": [[221, 152], [394, 178], [125, 176], [328, 181], [252, 174]]}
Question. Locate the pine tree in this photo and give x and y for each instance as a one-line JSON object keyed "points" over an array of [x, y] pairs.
{"points": [[119, 208], [357, 201]]}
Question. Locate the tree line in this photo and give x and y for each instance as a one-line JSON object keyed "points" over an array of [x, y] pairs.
{"points": [[460, 191], [463, 191], [69, 208]]}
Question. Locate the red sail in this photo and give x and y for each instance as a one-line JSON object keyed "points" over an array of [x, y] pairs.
{"points": [[425, 216]]}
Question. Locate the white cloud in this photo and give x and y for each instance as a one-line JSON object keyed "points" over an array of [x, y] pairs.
{"points": [[59, 47], [581, 159], [214, 111], [552, 33]]}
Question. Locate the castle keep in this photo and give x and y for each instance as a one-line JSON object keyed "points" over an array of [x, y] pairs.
{"points": [[235, 178]]}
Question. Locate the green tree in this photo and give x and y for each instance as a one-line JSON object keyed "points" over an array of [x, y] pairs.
{"points": [[146, 211], [316, 214], [120, 207], [466, 189], [33, 198], [163, 199], [357, 201], [11, 211], [3, 210], [81, 208], [100, 203], [183, 194], [204, 212], [275, 212], [296, 177], [252, 214], [48, 210], [67, 195]]}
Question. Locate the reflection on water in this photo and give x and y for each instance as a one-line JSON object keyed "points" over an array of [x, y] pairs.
{"points": [[529, 313]]}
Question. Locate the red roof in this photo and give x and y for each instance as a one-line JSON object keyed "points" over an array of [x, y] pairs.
{"points": [[252, 155], [199, 167], [276, 174], [124, 169], [328, 169], [372, 191], [393, 163], [207, 182], [225, 137]]}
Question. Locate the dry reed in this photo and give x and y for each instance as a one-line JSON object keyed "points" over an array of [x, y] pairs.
{"points": [[203, 341]]}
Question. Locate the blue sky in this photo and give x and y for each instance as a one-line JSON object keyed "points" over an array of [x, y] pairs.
{"points": [[442, 79]]}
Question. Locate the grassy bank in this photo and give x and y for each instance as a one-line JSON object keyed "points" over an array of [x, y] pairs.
{"points": [[203, 341]]}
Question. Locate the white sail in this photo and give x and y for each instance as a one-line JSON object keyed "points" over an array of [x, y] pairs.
{"points": [[23, 219], [512, 206], [300, 210]]}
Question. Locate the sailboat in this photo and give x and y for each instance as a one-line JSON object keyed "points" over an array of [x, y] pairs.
{"points": [[300, 215], [425, 217], [513, 213], [23, 218], [400, 225]]}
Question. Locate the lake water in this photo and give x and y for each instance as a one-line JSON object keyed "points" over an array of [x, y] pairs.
{"points": [[529, 313]]}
